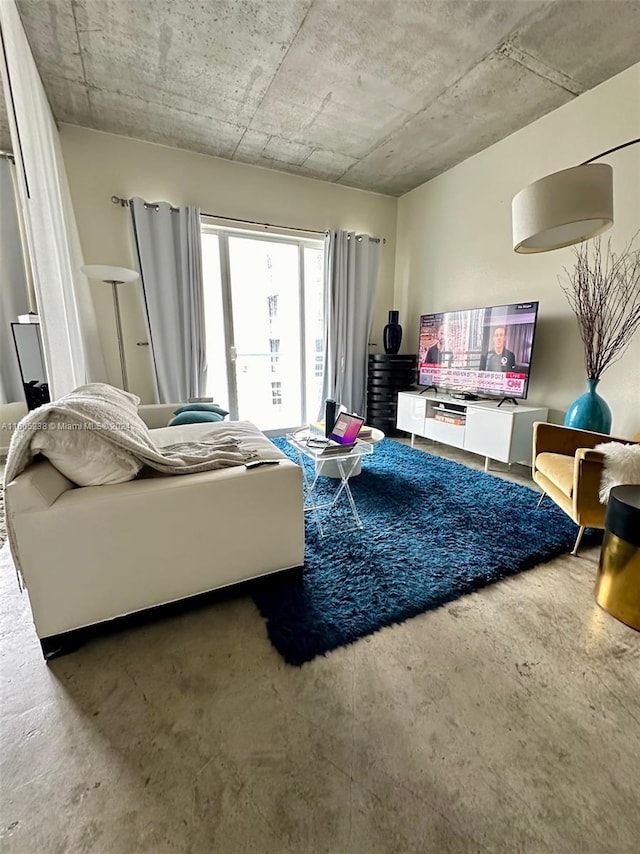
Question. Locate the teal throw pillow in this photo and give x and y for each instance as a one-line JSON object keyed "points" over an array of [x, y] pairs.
{"points": [[201, 407], [195, 417]]}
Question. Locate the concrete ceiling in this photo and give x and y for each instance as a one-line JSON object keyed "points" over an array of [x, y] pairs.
{"points": [[377, 94]]}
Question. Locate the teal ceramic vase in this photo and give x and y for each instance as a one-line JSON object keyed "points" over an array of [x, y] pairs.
{"points": [[589, 411]]}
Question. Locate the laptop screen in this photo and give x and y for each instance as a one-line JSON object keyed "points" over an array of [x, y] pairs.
{"points": [[345, 430]]}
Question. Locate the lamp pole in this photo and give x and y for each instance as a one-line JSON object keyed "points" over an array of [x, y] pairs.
{"points": [[116, 307], [114, 276]]}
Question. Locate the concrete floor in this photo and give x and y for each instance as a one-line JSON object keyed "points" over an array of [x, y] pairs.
{"points": [[507, 721]]}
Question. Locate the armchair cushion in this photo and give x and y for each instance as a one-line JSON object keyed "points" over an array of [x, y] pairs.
{"points": [[559, 469]]}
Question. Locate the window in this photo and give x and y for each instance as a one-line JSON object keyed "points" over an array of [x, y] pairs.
{"points": [[264, 321], [274, 347]]}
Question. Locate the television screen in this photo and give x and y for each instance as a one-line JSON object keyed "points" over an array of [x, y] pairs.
{"points": [[483, 351]]}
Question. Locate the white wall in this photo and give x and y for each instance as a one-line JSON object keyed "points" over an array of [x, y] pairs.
{"points": [[454, 247], [101, 165]]}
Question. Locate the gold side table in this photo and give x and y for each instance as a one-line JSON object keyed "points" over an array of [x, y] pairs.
{"points": [[618, 582]]}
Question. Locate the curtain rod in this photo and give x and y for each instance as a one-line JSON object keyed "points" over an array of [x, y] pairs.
{"points": [[126, 202]]}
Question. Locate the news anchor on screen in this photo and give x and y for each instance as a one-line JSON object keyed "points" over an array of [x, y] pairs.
{"points": [[499, 358], [436, 353]]}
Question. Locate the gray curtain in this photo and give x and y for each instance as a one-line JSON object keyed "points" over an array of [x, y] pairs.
{"points": [[68, 325], [352, 264], [169, 259], [14, 298]]}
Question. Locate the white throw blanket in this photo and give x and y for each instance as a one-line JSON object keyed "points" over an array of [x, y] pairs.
{"points": [[111, 413]]}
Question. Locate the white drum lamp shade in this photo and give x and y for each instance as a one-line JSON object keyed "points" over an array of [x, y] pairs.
{"points": [[564, 208], [114, 276]]}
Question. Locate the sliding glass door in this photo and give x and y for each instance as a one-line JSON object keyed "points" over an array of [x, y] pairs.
{"points": [[263, 308]]}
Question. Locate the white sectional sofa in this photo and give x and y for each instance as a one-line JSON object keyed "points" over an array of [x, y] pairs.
{"points": [[90, 554], [10, 414]]}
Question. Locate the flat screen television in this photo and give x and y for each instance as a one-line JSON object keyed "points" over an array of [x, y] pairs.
{"points": [[484, 352]]}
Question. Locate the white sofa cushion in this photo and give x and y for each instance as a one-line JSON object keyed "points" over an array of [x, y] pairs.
{"points": [[84, 456], [10, 414], [253, 440]]}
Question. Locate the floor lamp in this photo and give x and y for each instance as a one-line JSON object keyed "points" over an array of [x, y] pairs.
{"points": [[566, 207], [114, 276]]}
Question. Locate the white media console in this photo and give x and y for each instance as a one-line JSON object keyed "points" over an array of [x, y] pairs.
{"points": [[495, 432]]}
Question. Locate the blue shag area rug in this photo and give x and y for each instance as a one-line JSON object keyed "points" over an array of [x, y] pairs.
{"points": [[433, 531]]}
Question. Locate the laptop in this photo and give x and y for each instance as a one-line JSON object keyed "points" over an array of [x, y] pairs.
{"points": [[345, 430]]}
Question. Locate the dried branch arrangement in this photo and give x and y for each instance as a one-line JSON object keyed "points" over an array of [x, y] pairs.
{"points": [[603, 289]]}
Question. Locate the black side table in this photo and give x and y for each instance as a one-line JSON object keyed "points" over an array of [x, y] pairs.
{"points": [[618, 583]]}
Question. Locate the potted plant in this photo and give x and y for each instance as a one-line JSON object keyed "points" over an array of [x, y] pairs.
{"points": [[603, 289]]}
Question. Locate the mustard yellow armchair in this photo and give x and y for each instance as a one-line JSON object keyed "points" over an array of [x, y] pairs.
{"points": [[569, 471]]}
